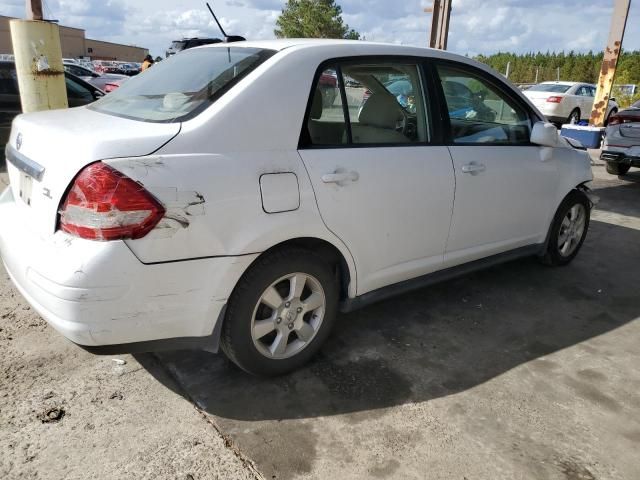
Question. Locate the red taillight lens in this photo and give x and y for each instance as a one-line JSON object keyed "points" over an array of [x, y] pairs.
{"points": [[104, 204], [615, 120], [110, 87], [554, 99]]}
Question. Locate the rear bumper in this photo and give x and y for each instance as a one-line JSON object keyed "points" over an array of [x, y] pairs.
{"points": [[99, 293], [618, 157]]}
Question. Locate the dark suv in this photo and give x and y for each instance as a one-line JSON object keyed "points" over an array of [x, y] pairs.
{"points": [[79, 93], [185, 43]]}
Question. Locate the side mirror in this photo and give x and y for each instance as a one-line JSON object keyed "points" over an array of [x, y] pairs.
{"points": [[544, 134]]}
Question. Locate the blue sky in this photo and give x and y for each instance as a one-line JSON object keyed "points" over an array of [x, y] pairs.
{"points": [[477, 26]]}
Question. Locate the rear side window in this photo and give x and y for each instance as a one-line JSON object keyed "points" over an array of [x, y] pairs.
{"points": [[479, 112], [367, 104], [78, 91]]}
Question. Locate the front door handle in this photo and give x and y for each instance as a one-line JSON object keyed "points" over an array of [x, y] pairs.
{"points": [[340, 177], [473, 168]]}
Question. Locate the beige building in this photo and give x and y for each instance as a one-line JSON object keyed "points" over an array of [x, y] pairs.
{"points": [[75, 44]]}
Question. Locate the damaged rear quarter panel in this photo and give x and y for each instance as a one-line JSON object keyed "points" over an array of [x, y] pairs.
{"points": [[213, 204]]}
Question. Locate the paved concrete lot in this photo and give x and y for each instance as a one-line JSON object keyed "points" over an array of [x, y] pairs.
{"points": [[517, 372]]}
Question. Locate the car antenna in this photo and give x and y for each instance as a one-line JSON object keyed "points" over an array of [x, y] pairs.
{"points": [[227, 38]]}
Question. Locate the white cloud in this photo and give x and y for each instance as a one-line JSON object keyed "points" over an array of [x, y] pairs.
{"points": [[477, 26]]}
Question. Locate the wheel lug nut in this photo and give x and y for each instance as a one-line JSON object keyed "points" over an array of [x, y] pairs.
{"points": [[299, 309], [287, 304], [290, 326], [278, 320]]}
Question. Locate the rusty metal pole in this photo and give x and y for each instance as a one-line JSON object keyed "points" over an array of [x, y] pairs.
{"points": [[610, 62], [38, 58], [34, 10], [445, 15], [435, 22], [440, 15]]}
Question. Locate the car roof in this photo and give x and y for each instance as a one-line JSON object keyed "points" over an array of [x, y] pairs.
{"points": [[570, 84], [352, 47]]}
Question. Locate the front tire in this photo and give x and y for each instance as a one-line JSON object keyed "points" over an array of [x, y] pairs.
{"points": [[617, 168], [568, 230], [281, 312]]}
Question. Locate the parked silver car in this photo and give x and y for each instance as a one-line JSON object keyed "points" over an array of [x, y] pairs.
{"points": [[98, 80], [621, 149]]}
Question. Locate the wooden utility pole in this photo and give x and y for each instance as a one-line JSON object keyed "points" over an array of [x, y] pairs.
{"points": [[440, 15], [34, 10], [610, 62]]}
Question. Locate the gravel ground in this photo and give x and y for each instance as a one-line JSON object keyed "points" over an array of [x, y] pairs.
{"points": [[518, 372]]}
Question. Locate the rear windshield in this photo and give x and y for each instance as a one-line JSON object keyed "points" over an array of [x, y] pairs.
{"points": [[182, 86], [549, 87]]}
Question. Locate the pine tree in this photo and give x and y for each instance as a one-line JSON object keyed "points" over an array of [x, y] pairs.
{"points": [[313, 19]]}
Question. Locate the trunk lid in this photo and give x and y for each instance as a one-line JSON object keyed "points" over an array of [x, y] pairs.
{"points": [[540, 98], [58, 144]]}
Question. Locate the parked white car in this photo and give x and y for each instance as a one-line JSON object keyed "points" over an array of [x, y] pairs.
{"points": [[566, 102], [215, 198]]}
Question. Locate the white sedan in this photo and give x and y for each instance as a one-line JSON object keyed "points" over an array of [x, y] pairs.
{"points": [[567, 102], [217, 199]]}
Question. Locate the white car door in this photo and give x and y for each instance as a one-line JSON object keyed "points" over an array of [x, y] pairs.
{"points": [[379, 184], [505, 188], [585, 101]]}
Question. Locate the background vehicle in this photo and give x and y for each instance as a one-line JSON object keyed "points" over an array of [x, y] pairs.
{"points": [[186, 43], [186, 214], [79, 93], [621, 148], [566, 102], [328, 83], [98, 80], [129, 69]]}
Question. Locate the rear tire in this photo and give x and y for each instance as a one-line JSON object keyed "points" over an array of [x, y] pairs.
{"points": [[611, 113], [617, 168], [280, 312], [574, 117], [568, 230]]}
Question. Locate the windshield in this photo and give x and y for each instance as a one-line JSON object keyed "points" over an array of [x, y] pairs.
{"points": [[550, 87], [182, 86]]}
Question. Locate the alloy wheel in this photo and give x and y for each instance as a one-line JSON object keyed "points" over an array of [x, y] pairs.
{"points": [[571, 229], [288, 315]]}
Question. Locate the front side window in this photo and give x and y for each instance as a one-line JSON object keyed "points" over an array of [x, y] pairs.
{"points": [[384, 105], [479, 112], [182, 86]]}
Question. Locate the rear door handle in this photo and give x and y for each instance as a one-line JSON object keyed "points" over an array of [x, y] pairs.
{"points": [[473, 168], [340, 177]]}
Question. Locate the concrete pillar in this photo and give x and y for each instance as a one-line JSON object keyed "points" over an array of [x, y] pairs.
{"points": [[38, 58]]}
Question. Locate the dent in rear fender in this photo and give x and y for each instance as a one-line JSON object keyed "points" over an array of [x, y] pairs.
{"points": [[215, 209]]}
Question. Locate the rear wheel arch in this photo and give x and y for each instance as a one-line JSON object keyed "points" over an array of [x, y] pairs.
{"points": [[343, 269]]}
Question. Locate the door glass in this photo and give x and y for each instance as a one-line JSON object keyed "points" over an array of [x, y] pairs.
{"points": [[326, 124], [386, 103], [480, 112]]}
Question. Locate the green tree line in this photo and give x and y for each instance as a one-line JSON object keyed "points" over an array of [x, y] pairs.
{"points": [[576, 67]]}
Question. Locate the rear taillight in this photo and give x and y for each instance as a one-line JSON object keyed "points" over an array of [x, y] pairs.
{"points": [[104, 204], [617, 119], [554, 99], [110, 87]]}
